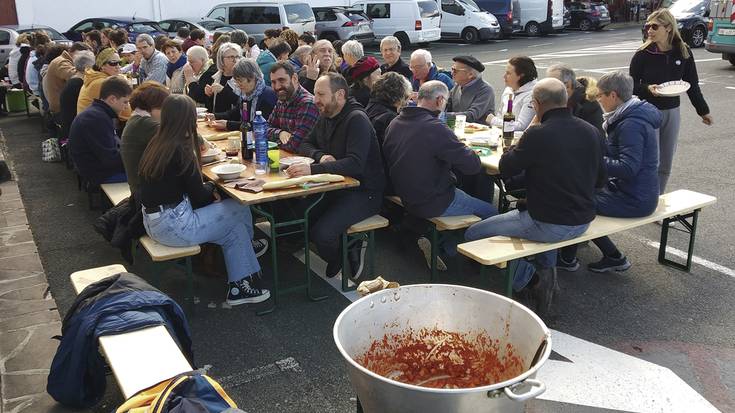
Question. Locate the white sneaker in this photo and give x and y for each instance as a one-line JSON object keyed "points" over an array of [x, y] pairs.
{"points": [[425, 247]]}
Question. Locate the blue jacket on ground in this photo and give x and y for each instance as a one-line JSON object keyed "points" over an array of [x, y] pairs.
{"points": [[632, 163], [117, 304], [434, 74], [93, 143]]}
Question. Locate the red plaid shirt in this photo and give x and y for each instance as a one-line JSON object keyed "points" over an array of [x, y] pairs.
{"points": [[296, 116]]}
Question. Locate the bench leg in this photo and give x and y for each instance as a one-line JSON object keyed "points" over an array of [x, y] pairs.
{"points": [[189, 280], [307, 255], [346, 271], [371, 254], [509, 271], [691, 228], [434, 251]]}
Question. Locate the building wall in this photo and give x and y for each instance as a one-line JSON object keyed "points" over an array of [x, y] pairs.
{"points": [[7, 12], [62, 14]]}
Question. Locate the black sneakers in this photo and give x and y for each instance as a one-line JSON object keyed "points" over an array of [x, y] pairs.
{"points": [[356, 258], [333, 268], [567, 266], [241, 292], [607, 264], [260, 246]]}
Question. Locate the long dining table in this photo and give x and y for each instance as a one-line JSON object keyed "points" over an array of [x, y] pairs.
{"points": [[259, 201]]}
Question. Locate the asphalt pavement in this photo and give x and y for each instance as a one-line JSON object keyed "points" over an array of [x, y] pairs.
{"points": [[287, 361]]}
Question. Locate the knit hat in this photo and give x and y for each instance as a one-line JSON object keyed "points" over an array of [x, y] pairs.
{"points": [[363, 67], [104, 56]]}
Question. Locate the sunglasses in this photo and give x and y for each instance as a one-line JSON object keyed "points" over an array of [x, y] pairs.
{"points": [[653, 26], [113, 63]]}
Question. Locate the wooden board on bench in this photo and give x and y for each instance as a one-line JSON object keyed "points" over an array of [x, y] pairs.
{"points": [[116, 192], [444, 223], [498, 250], [160, 252], [141, 358], [368, 224]]}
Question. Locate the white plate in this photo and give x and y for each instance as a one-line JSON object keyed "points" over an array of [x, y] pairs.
{"points": [[674, 88], [290, 160], [229, 170], [211, 155]]}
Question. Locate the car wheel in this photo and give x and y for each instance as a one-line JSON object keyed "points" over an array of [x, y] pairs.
{"points": [[469, 35], [585, 25], [698, 36], [403, 38], [533, 29], [731, 58]]}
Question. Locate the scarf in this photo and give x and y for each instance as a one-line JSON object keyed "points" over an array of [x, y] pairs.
{"points": [[611, 117], [252, 97], [172, 67]]}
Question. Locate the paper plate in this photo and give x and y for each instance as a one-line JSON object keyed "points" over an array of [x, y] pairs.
{"points": [[674, 88], [481, 150], [290, 160]]}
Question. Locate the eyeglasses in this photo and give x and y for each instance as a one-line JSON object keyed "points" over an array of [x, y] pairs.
{"points": [[458, 69], [653, 26], [113, 63], [235, 57]]}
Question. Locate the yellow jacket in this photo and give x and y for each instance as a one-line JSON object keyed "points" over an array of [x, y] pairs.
{"points": [[91, 90]]}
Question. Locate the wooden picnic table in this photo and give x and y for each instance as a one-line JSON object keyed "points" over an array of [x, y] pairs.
{"points": [[257, 201]]}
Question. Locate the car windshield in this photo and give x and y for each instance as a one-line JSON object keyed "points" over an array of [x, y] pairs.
{"points": [[299, 13], [214, 25], [53, 34], [687, 7], [470, 4], [429, 9], [143, 28]]}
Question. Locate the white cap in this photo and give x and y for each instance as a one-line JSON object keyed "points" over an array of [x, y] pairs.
{"points": [[128, 48]]}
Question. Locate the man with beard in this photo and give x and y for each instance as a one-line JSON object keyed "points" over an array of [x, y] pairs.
{"points": [[320, 62], [342, 142], [295, 113]]}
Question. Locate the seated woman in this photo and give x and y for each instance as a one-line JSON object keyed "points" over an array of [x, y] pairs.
{"points": [[146, 102], [362, 75], [632, 166], [278, 51], [180, 210], [520, 78], [107, 64], [197, 72], [83, 60], [213, 89], [247, 82], [175, 80]]}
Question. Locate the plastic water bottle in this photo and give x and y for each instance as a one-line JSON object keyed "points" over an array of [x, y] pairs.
{"points": [[260, 127], [442, 117]]}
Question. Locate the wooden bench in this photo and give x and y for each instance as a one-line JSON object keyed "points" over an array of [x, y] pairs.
{"points": [[141, 358], [678, 206], [116, 192], [439, 224], [158, 252], [361, 231]]}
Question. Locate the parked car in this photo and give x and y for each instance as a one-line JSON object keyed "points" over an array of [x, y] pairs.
{"points": [[463, 19], [503, 12], [133, 25], [567, 17], [208, 26], [338, 23], [589, 16], [721, 28], [9, 34], [256, 17], [411, 21], [692, 17], [539, 17]]}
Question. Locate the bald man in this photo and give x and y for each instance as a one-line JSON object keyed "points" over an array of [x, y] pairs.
{"points": [[562, 161]]}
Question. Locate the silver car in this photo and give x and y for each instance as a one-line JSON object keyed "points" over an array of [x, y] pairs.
{"points": [[9, 34], [337, 23], [208, 26]]}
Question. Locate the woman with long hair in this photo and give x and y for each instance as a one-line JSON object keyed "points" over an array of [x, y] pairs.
{"points": [[664, 57], [179, 210], [520, 78]]}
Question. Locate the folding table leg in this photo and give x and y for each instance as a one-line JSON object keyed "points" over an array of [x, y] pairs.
{"points": [[691, 228]]}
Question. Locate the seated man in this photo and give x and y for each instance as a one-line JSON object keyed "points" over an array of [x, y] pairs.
{"points": [[587, 110], [421, 152], [562, 161], [321, 61], [424, 70], [342, 142], [631, 160], [93, 141], [390, 49], [471, 96], [295, 113]]}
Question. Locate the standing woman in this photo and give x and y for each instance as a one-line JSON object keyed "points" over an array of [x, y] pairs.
{"points": [[520, 78], [664, 57], [179, 210]]}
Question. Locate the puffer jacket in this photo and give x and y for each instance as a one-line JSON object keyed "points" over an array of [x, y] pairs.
{"points": [[631, 160], [90, 91], [522, 108], [116, 304]]}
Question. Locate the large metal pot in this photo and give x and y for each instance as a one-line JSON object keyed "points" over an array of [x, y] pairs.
{"points": [[450, 308]]}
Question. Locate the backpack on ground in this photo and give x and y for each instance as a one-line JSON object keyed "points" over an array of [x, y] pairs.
{"points": [[191, 392], [50, 151]]}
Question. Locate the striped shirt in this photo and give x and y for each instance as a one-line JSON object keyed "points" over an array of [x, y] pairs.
{"points": [[297, 116]]}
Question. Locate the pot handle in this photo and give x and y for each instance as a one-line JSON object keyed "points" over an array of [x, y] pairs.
{"points": [[537, 388]]}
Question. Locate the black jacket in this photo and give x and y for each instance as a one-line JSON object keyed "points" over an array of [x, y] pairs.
{"points": [[360, 92], [421, 152], [588, 111], [652, 67], [196, 89], [350, 138], [399, 67], [381, 114], [563, 165], [93, 143], [122, 224]]}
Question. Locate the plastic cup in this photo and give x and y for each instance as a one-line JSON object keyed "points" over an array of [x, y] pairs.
{"points": [[274, 159], [459, 122]]}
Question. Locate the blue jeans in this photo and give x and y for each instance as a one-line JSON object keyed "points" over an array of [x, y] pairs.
{"points": [[226, 223], [114, 179], [520, 224], [463, 204]]}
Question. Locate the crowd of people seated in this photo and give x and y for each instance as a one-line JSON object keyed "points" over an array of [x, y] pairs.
{"points": [[587, 147]]}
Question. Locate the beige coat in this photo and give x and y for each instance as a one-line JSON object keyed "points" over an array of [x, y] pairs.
{"points": [[59, 71]]}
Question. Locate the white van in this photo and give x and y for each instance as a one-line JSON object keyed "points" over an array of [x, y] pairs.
{"points": [[557, 17], [463, 19], [535, 16], [411, 21], [256, 17]]}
